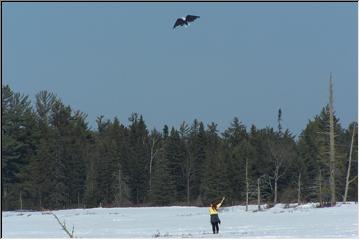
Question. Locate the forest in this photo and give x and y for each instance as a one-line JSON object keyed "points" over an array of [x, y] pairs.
{"points": [[52, 159]]}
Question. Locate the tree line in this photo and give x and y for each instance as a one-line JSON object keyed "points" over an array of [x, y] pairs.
{"points": [[52, 159]]}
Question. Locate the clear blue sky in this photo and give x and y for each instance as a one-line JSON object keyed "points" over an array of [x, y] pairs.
{"points": [[239, 59]]}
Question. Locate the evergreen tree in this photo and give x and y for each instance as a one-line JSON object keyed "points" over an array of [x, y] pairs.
{"points": [[175, 154], [196, 151], [138, 159], [259, 140], [323, 135], [353, 176], [18, 144], [164, 188], [78, 145], [156, 143], [106, 181], [215, 183], [309, 153], [61, 164], [51, 159], [236, 133], [41, 165], [238, 152], [313, 145], [90, 196]]}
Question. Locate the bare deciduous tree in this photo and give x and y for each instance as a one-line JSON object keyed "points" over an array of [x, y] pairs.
{"points": [[349, 166], [153, 151], [282, 154], [332, 144]]}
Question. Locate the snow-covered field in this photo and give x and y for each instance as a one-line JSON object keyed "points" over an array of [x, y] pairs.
{"points": [[304, 221]]}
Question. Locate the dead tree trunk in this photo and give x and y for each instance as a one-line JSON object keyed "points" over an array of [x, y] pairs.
{"points": [[349, 166], [276, 177], [120, 188], [299, 189], [188, 173], [21, 203], [40, 204], [63, 225], [332, 145], [188, 183], [258, 194], [153, 152], [320, 189], [247, 184]]}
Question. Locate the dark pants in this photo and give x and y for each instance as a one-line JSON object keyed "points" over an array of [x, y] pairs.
{"points": [[215, 226], [215, 220]]}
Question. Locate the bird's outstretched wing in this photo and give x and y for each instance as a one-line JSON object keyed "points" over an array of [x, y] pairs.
{"points": [[179, 22], [191, 18]]}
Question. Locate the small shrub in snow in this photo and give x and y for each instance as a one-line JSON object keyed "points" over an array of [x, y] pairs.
{"points": [[290, 205], [186, 235], [157, 234]]}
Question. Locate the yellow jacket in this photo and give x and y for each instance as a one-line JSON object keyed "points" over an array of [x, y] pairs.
{"points": [[214, 211]]}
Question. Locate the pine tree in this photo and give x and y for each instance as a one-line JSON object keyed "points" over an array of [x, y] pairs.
{"points": [[51, 159], [39, 170], [236, 133], [138, 159], [19, 139], [259, 140], [175, 153], [78, 145], [60, 168], [309, 153], [155, 146], [313, 146], [239, 152], [215, 181], [163, 188], [324, 143], [196, 153]]}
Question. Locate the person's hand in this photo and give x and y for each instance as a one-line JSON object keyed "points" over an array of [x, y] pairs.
{"points": [[219, 222], [223, 198]]}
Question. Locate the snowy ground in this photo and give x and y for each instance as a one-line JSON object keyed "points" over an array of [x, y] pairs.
{"points": [[187, 222]]}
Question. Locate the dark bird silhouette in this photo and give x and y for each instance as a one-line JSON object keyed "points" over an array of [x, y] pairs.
{"points": [[185, 20]]}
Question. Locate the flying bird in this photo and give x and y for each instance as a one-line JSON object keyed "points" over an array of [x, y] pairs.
{"points": [[185, 20]]}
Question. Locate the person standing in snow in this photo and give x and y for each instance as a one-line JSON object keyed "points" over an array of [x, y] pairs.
{"points": [[214, 217]]}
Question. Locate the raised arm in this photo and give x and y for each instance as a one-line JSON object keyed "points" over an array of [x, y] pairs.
{"points": [[222, 200]]}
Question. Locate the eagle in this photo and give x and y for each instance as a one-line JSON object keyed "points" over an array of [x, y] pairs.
{"points": [[185, 20]]}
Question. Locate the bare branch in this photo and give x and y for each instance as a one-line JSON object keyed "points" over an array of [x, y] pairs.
{"points": [[350, 181], [71, 235]]}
